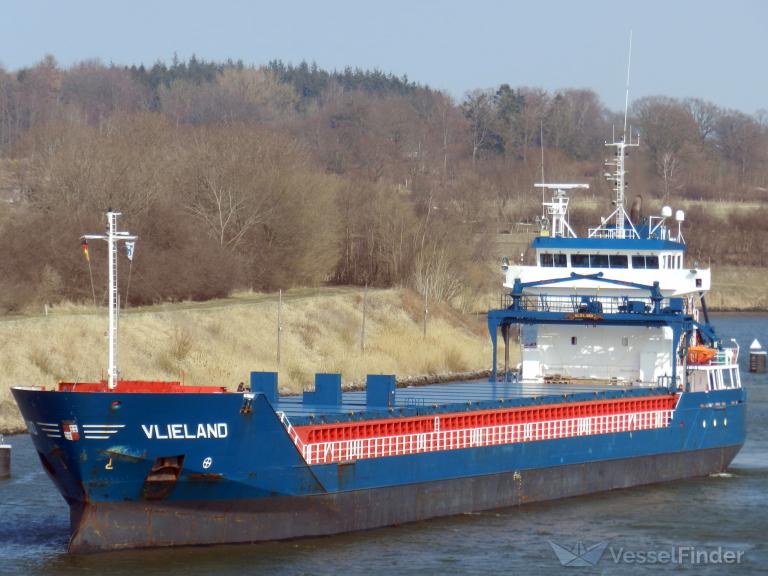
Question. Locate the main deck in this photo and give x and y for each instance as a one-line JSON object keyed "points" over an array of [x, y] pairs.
{"points": [[461, 396]]}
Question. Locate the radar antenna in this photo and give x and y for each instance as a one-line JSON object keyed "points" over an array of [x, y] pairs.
{"points": [[557, 209]]}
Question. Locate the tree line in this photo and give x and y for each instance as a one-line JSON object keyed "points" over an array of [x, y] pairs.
{"points": [[239, 176]]}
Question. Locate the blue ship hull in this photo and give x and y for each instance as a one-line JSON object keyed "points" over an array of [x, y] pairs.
{"points": [[237, 475]]}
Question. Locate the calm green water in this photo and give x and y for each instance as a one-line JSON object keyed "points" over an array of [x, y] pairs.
{"points": [[727, 511]]}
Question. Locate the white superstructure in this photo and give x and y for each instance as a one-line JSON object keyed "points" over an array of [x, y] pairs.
{"points": [[620, 304], [641, 254], [620, 267]]}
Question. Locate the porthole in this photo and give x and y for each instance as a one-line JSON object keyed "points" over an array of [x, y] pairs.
{"points": [[703, 423], [725, 421], [714, 423]]}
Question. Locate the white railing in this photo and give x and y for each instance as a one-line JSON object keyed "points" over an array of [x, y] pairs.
{"points": [[602, 232], [291, 430], [438, 440]]}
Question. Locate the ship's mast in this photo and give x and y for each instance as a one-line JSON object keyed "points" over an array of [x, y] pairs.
{"points": [[618, 177], [113, 238], [618, 174]]}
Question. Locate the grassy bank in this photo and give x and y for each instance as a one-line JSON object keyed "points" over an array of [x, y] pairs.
{"points": [[738, 288], [221, 341]]}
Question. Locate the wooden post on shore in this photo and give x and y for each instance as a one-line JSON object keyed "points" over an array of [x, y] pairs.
{"points": [[279, 324], [362, 329], [426, 311]]}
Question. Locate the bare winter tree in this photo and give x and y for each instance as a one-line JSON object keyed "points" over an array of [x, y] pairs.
{"points": [[478, 108], [668, 167], [669, 131], [741, 141], [225, 184], [705, 114]]}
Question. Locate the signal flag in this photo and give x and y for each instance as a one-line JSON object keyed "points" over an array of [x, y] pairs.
{"points": [[84, 245]]}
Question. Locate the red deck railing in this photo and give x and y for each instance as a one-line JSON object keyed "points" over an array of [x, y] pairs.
{"points": [[140, 387]]}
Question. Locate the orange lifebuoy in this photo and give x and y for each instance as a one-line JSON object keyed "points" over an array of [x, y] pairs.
{"points": [[700, 354]]}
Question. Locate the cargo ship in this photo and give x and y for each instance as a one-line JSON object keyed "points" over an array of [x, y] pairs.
{"points": [[622, 381]]}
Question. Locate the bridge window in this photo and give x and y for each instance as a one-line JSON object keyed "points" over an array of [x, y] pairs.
{"points": [[598, 261], [580, 260], [618, 261], [556, 260], [645, 262]]}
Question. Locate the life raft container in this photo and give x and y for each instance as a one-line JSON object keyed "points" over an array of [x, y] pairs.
{"points": [[700, 354]]}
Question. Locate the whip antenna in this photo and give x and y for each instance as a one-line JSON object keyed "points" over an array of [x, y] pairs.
{"points": [[541, 139], [626, 94]]}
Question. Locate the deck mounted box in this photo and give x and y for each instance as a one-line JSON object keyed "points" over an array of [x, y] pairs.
{"points": [[265, 383], [327, 391], [380, 390]]}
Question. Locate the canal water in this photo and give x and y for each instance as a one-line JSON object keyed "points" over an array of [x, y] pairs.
{"points": [[690, 526]]}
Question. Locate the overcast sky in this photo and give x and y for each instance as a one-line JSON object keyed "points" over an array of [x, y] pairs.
{"points": [[713, 50]]}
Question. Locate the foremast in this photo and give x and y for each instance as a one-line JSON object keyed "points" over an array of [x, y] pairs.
{"points": [[113, 238]]}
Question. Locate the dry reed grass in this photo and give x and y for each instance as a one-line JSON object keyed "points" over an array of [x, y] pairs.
{"points": [[220, 342], [738, 288]]}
